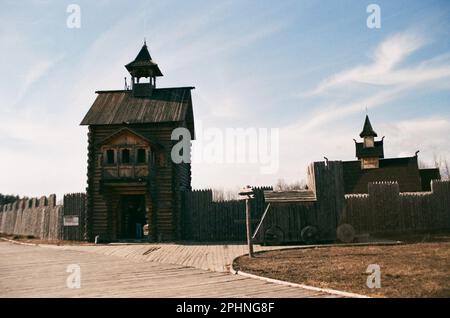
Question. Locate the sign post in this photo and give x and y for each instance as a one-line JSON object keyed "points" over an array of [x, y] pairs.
{"points": [[249, 234], [247, 194]]}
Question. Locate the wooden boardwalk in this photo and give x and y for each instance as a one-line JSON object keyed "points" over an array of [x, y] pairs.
{"points": [[32, 271], [213, 257]]}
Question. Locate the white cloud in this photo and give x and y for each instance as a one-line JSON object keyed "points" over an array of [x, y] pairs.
{"points": [[35, 71], [306, 139], [389, 54], [388, 79], [429, 135], [343, 109]]}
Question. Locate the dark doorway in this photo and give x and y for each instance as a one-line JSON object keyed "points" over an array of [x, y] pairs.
{"points": [[132, 216]]}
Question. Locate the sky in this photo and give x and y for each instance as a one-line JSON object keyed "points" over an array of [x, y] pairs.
{"points": [[311, 69]]}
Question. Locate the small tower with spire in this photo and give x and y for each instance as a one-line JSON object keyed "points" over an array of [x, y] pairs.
{"points": [[369, 152], [143, 67]]}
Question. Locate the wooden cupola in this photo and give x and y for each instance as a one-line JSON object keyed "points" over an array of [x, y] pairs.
{"points": [[143, 67], [369, 151]]}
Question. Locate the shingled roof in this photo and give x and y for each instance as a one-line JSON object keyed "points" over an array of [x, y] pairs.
{"points": [[119, 107], [143, 65], [367, 129]]}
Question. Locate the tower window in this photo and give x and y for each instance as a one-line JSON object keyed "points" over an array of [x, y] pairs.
{"points": [[110, 157], [141, 155], [126, 156], [369, 142], [370, 163]]}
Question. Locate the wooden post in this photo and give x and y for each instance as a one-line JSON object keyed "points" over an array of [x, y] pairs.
{"points": [[248, 221], [247, 193]]}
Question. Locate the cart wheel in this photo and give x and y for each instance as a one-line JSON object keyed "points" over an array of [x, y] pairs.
{"points": [[309, 234], [273, 236], [345, 233]]}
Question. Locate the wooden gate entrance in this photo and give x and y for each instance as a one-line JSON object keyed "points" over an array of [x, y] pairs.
{"points": [[131, 216], [128, 205]]}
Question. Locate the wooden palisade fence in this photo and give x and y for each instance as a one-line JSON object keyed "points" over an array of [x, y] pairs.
{"points": [[73, 225], [385, 210], [207, 220], [44, 219], [382, 210], [288, 218], [34, 217]]}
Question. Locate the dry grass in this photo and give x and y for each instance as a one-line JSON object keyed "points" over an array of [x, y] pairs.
{"points": [[411, 270]]}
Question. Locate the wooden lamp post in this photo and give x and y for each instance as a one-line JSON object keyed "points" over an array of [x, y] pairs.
{"points": [[247, 193]]}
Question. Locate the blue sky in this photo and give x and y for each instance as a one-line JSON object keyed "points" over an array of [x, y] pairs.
{"points": [[309, 68]]}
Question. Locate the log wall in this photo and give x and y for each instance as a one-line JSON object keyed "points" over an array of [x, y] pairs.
{"points": [[165, 183]]}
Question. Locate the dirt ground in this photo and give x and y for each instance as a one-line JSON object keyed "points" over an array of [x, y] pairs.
{"points": [[420, 268]]}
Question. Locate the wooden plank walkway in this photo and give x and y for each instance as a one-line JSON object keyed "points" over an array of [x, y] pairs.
{"points": [[213, 257], [32, 271]]}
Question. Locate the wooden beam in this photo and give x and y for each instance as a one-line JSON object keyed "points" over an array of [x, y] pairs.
{"points": [[260, 222]]}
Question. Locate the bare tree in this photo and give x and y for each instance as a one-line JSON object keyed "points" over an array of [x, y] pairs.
{"points": [[445, 169], [443, 164], [7, 198], [282, 185], [423, 165], [221, 194]]}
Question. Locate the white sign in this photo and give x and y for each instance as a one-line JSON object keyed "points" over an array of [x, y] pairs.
{"points": [[71, 220]]}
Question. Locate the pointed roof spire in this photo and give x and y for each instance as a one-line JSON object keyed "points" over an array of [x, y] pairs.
{"points": [[367, 129], [143, 65], [143, 55]]}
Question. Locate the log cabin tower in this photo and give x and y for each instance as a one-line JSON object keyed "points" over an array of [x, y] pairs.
{"points": [[132, 182]]}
